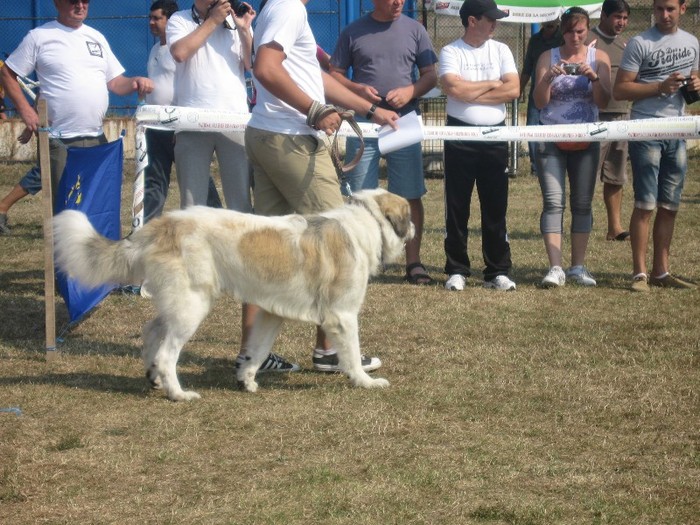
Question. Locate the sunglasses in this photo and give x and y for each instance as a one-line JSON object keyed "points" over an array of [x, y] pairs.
{"points": [[76, 2]]}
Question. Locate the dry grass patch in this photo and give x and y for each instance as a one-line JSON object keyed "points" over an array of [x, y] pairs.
{"points": [[534, 407]]}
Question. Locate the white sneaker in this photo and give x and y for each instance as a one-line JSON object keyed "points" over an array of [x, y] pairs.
{"points": [[580, 275], [456, 282], [500, 282], [555, 278]]}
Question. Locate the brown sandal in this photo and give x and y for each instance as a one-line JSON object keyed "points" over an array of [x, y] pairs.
{"points": [[420, 278]]}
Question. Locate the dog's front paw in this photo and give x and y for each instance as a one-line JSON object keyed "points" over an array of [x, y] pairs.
{"points": [[184, 396], [365, 381], [379, 382]]}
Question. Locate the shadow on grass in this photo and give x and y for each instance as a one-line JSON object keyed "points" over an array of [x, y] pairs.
{"points": [[526, 276], [24, 232], [23, 317], [532, 276], [216, 373], [22, 282], [475, 233]]}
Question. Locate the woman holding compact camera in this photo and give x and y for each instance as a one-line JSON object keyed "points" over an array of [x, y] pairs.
{"points": [[572, 83]]}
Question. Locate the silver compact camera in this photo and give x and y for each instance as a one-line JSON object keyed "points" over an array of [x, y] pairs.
{"points": [[571, 69]]}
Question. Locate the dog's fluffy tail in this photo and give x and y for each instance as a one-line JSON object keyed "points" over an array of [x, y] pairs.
{"points": [[83, 254]]}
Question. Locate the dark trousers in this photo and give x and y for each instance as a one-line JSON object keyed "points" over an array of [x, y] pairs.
{"points": [[483, 164], [58, 155], [160, 145]]}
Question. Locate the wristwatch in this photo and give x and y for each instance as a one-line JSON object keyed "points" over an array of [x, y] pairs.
{"points": [[371, 111]]}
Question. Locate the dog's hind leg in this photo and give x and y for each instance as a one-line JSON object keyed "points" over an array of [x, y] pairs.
{"points": [[343, 332], [179, 325], [153, 334], [266, 326]]}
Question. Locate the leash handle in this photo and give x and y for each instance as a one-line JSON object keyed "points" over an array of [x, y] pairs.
{"points": [[318, 112], [349, 117]]}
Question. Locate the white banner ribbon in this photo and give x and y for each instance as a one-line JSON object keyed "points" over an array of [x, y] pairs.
{"points": [[193, 119]]}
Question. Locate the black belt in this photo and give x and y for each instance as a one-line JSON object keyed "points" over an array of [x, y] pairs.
{"points": [[454, 121], [73, 140]]}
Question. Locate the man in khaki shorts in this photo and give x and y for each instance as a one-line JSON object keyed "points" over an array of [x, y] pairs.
{"points": [[292, 168], [293, 173], [613, 155]]}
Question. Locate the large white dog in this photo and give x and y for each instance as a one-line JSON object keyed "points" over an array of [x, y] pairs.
{"points": [[310, 268]]}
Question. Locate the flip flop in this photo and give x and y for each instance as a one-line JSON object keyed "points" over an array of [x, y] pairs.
{"points": [[623, 236], [420, 278]]}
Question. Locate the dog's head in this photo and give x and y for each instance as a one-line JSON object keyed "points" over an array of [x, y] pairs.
{"points": [[394, 216]]}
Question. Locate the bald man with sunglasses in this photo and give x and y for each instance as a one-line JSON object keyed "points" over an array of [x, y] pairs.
{"points": [[76, 70]]}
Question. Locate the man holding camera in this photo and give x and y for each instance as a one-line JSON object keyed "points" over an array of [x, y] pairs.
{"points": [[654, 66], [160, 143], [212, 48]]}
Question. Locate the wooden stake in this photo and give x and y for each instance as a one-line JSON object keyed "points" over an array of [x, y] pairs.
{"points": [[49, 280]]}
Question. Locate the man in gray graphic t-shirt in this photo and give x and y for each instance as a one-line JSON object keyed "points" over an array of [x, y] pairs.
{"points": [[654, 66]]}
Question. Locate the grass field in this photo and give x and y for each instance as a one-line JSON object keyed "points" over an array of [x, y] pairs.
{"points": [[533, 407]]}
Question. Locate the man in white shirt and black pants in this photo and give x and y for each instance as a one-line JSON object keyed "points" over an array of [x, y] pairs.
{"points": [[479, 76]]}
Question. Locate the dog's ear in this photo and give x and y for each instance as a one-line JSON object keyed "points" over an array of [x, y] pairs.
{"points": [[397, 212]]}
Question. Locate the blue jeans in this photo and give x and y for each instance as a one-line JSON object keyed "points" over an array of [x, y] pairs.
{"points": [[658, 173], [58, 154], [404, 166], [553, 165], [533, 119], [31, 182]]}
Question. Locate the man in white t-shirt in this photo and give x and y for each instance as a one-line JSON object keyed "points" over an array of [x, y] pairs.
{"points": [[211, 58], [76, 68], [479, 77], [160, 143], [292, 168]]}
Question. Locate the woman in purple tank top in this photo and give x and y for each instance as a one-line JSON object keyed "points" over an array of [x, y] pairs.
{"points": [[571, 83]]}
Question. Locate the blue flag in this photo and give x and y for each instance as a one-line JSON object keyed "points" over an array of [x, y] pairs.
{"points": [[91, 183]]}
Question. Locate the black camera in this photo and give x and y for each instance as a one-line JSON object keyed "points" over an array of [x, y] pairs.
{"points": [[689, 95], [239, 7]]}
